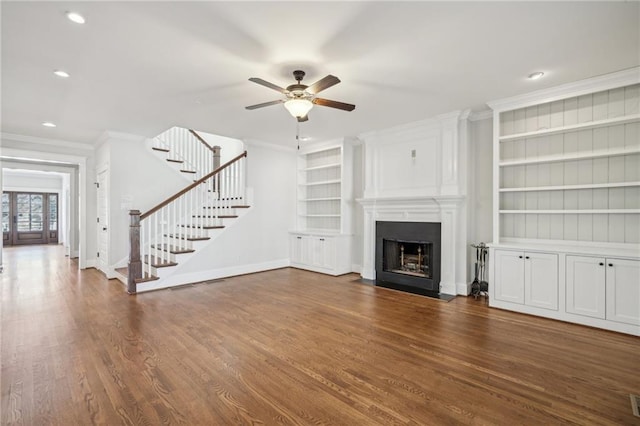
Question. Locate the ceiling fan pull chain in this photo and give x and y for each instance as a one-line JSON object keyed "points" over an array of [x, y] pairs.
{"points": [[298, 134]]}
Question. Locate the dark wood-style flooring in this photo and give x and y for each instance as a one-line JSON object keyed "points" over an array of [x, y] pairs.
{"points": [[291, 347]]}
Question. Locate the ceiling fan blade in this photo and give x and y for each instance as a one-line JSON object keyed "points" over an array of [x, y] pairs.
{"points": [[265, 104], [322, 84], [303, 119], [269, 85], [334, 104]]}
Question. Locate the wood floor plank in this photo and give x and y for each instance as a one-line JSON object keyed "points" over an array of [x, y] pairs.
{"points": [[290, 347]]}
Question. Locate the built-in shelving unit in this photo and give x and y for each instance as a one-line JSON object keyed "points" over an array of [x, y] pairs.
{"points": [[321, 240], [321, 188], [566, 203], [569, 169]]}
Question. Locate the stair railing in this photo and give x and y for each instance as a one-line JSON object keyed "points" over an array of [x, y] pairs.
{"points": [[185, 216], [189, 147]]}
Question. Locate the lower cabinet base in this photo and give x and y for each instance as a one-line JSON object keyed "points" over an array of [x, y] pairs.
{"points": [[567, 317]]}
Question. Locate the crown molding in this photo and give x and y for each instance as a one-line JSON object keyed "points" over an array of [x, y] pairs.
{"points": [[570, 90], [45, 141]]}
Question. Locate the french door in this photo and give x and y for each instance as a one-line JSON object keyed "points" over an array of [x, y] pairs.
{"points": [[29, 218]]}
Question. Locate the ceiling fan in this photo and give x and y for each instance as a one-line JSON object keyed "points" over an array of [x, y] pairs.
{"points": [[300, 98]]}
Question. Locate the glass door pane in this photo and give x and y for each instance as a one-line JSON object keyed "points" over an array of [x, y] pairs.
{"points": [[53, 212], [6, 212]]}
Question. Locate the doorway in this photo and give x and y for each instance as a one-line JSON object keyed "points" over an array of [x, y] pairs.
{"points": [[29, 218]]}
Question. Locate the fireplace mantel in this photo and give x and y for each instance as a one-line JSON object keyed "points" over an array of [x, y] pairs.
{"points": [[443, 209], [418, 173]]}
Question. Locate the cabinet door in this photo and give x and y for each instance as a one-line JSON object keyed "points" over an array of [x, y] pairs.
{"points": [[329, 253], [623, 291], [509, 276], [586, 286], [296, 248], [541, 280]]}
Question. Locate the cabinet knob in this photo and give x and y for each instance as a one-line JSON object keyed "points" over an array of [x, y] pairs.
{"points": [[611, 264], [526, 257], [520, 257], [321, 239], [601, 264], [299, 238]]}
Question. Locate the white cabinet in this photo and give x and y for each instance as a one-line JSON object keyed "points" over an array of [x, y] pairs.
{"points": [[623, 290], [509, 276], [606, 288], [328, 254], [586, 286], [528, 278]]}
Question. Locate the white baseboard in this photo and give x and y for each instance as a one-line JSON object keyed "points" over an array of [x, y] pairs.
{"points": [[356, 268], [463, 289], [90, 263], [212, 274]]}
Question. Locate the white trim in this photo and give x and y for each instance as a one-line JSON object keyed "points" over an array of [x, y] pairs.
{"points": [[356, 268], [45, 141], [212, 274], [91, 263], [570, 90]]}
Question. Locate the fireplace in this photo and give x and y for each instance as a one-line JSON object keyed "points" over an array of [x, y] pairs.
{"points": [[408, 254]]}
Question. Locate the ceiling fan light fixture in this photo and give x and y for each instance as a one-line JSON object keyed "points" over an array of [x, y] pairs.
{"points": [[298, 107]]}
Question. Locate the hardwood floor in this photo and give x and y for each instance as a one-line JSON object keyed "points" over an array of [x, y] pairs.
{"points": [[291, 347]]}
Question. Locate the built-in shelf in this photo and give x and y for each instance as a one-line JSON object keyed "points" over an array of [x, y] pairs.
{"points": [[324, 166], [585, 211], [574, 156], [325, 182], [567, 187], [321, 199], [581, 126]]}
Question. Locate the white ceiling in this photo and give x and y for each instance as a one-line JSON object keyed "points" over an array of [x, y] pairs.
{"points": [[142, 67]]}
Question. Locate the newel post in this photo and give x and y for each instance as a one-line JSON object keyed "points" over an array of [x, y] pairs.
{"points": [[216, 156], [135, 265]]}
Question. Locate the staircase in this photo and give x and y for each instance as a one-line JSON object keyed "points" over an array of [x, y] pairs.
{"points": [[168, 235]]}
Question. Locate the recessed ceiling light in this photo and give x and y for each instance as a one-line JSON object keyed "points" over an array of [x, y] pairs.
{"points": [[305, 138], [61, 73], [48, 124], [76, 17], [535, 75]]}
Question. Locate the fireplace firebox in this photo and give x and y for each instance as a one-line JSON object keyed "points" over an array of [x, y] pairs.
{"points": [[408, 254]]}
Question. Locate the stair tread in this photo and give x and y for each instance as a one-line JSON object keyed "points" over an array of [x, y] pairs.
{"points": [[173, 160], [125, 271], [173, 249], [155, 148], [187, 237], [222, 216], [240, 207], [203, 227], [158, 262], [146, 278], [188, 171]]}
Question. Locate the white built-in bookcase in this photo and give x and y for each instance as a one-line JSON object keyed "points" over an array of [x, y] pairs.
{"points": [[567, 165], [322, 189]]}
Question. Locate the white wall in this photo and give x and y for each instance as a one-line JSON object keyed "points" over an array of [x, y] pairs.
{"points": [[259, 240], [357, 168], [229, 148], [480, 196]]}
